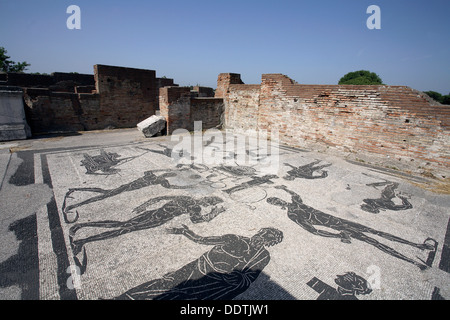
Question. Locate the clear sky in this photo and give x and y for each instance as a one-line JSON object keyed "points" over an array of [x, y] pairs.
{"points": [[312, 42]]}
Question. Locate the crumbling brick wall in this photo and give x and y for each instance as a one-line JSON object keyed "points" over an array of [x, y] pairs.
{"points": [[174, 105], [181, 110], [121, 98], [400, 125], [127, 95], [29, 80], [208, 110], [49, 111], [242, 105], [224, 81]]}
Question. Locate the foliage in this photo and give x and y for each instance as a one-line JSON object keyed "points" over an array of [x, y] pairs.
{"points": [[434, 95], [446, 99], [361, 77], [7, 65], [439, 97]]}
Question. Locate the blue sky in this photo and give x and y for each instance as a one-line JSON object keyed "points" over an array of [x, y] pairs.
{"points": [[312, 42]]}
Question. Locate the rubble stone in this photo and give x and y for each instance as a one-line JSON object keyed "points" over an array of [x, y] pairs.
{"points": [[152, 125]]}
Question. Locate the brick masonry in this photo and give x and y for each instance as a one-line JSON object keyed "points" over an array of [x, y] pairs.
{"points": [[114, 97], [126, 94], [49, 111], [181, 110], [400, 126], [224, 81]]}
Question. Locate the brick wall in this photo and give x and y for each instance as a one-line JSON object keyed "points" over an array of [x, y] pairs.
{"points": [[207, 110], [44, 81], [121, 98], [49, 111], [165, 82], [242, 104], [203, 92], [174, 105], [400, 126], [181, 110], [223, 82], [127, 95]]}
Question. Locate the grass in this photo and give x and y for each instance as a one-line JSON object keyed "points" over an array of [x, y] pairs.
{"points": [[441, 186]]}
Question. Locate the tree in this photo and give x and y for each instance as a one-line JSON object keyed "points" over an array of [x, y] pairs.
{"points": [[361, 77], [435, 96], [444, 99], [7, 65]]}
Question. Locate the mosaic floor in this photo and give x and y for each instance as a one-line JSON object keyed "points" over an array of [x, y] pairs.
{"points": [[225, 219]]}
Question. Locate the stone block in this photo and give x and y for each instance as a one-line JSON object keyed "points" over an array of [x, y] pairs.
{"points": [[152, 125]]}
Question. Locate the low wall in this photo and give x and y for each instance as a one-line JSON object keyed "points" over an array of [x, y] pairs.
{"points": [[401, 126]]}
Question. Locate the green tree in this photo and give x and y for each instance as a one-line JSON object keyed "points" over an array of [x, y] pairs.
{"points": [[439, 97], [446, 99], [361, 77], [7, 65], [434, 95]]}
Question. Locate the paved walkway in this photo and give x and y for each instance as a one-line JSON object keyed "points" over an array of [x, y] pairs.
{"points": [[113, 215]]}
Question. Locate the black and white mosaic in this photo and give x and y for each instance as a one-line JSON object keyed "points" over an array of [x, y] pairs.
{"points": [[134, 222]]}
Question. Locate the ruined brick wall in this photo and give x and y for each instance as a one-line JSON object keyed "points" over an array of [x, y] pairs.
{"points": [[121, 98], [242, 106], [174, 105], [208, 110], [49, 111], [181, 110], [203, 92], [402, 126], [127, 95], [44, 81], [224, 81], [165, 82]]}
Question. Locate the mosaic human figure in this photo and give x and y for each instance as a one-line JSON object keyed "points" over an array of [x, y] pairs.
{"points": [[148, 179], [223, 272], [306, 171], [255, 181], [167, 151], [349, 286], [385, 201], [105, 162], [308, 217], [146, 219]]}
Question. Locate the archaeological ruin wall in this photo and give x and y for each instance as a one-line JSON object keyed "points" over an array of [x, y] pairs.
{"points": [[127, 95], [182, 107], [400, 126], [113, 97]]}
